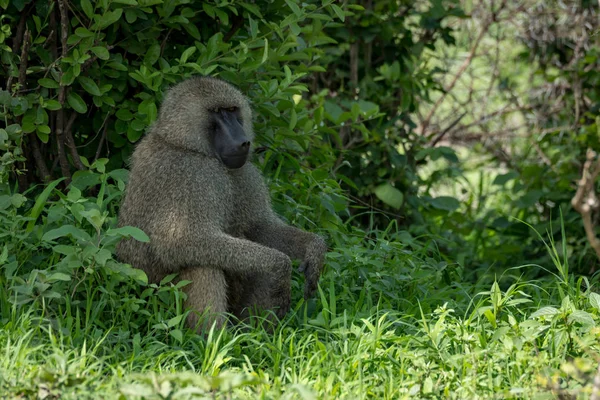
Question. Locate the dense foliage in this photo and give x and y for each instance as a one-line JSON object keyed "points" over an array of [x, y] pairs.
{"points": [[453, 271]]}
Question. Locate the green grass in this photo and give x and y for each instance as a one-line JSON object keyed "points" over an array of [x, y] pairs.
{"points": [[393, 319], [385, 326]]}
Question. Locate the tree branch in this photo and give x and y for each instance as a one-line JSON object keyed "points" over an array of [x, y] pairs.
{"points": [[62, 94], [585, 201]]}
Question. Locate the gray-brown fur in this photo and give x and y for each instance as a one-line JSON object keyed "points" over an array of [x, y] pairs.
{"points": [[211, 224]]}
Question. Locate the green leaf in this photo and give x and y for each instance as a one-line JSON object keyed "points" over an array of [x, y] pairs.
{"points": [[66, 230], [83, 32], [186, 54], [167, 279], [177, 335], [52, 105], [389, 195], [445, 203], [76, 102], [128, 2], [68, 77], [545, 312], [339, 12], [266, 52], [43, 129], [101, 52], [595, 300], [17, 200], [293, 119], [4, 255], [108, 19], [503, 178], [152, 54], [174, 321], [127, 270], [44, 137], [124, 114], [129, 231], [87, 8], [48, 83], [253, 27], [294, 7], [582, 317], [59, 276], [193, 31], [37, 208], [89, 86]]}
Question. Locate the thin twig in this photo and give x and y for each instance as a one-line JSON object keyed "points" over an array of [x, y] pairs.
{"points": [[443, 133], [102, 138], [461, 69]]}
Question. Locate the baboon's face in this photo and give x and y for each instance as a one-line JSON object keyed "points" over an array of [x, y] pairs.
{"points": [[228, 137]]}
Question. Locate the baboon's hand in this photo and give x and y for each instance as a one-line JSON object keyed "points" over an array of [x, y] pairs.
{"points": [[312, 265]]}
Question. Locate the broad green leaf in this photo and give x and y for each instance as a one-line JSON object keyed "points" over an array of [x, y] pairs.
{"points": [[389, 195], [89, 85], [124, 114], [83, 32], [582, 317], [109, 18], [152, 54], [76, 102], [87, 8], [129, 231], [595, 300], [101, 52], [52, 105], [17, 200], [174, 321], [545, 312], [177, 335], [48, 83], [445, 203], [66, 230], [127, 270], [503, 178]]}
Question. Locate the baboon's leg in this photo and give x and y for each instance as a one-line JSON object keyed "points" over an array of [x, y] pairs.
{"points": [[206, 297], [258, 293]]}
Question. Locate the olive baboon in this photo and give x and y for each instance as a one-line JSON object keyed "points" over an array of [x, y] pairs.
{"points": [[207, 211]]}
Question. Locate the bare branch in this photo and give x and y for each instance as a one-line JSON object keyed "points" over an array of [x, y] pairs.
{"points": [[585, 201]]}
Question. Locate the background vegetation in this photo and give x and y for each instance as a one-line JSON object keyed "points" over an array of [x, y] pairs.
{"points": [[436, 143]]}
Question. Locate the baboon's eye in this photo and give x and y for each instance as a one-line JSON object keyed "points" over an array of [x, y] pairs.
{"points": [[231, 109]]}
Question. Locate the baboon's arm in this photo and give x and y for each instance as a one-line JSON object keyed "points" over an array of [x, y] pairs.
{"points": [[278, 235], [222, 251], [297, 244]]}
